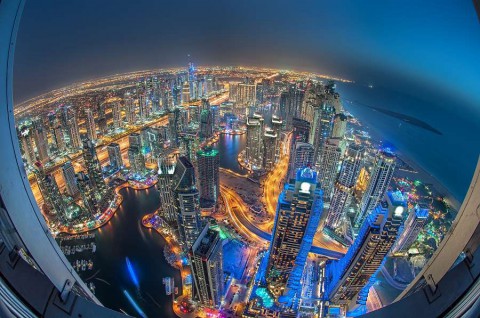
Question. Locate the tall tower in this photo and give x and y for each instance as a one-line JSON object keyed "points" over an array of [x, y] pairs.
{"points": [[270, 140], [415, 222], [187, 202], [103, 193], [380, 178], [74, 131], [346, 277], [70, 180], [58, 136], [136, 160], [115, 155], [343, 191], [90, 123], [208, 162], [339, 125], [41, 141], [206, 121], [322, 126], [302, 156], [25, 136], [254, 147], [54, 203], [117, 115], [207, 268], [130, 109], [332, 151], [185, 93], [166, 170], [298, 213]]}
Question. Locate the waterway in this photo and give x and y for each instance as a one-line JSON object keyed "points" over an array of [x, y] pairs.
{"points": [[228, 147], [124, 236]]}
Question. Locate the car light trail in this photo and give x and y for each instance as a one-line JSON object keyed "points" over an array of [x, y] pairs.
{"points": [[133, 276], [134, 304]]}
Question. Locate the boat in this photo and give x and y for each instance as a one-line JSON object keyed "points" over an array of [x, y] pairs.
{"points": [[168, 282]]}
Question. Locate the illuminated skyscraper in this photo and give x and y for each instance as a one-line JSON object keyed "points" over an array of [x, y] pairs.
{"points": [[302, 156], [41, 140], [291, 104], [130, 109], [74, 132], [135, 140], [54, 204], [339, 125], [346, 277], [136, 160], [70, 180], [380, 178], [254, 147], [208, 163], [415, 222], [322, 126], [343, 191], [58, 136], [207, 268], [296, 220], [187, 202], [246, 94], [26, 142], [115, 155], [270, 145], [103, 193], [206, 121], [117, 115], [166, 170], [90, 123], [332, 151], [185, 93]]}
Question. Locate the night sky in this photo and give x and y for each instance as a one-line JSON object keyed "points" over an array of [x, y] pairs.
{"points": [[429, 46]]}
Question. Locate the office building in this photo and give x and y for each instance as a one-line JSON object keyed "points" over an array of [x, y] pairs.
{"points": [[130, 109], [330, 160], [346, 277], [380, 178], [187, 202], [343, 190], [270, 146], [136, 160], [115, 156], [41, 140], [254, 146], [90, 123], [415, 222], [298, 213], [321, 127], [302, 156], [208, 165], [207, 268], [54, 205], [70, 180], [166, 170], [117, 115]]}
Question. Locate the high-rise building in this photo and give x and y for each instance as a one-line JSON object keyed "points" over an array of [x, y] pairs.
{"points": [[185, 93], [339, 125], [415, 222], [130, 109], [321, 129], [301, 130], [87, 192], [54, 204], [206, 121], [302, 156], [70, 180], [343, 191], [207, 268], [58, 136], [136, 160], [246, 95], [270, 145], [90, 123], [346, 277], [74, 131], [187, 202], [41, 140], [291, 104], [332, 152], [298, 213], [254, 147], [25, 136], [135, 140], [380, 178], [117, 115], [115, 155], [166, 170], [103, 193], [208, 163]]}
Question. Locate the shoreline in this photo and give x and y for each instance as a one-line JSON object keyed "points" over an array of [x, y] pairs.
{"points": [[423, 174]]}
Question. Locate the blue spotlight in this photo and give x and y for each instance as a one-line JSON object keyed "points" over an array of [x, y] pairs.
{"points": [[134, 304], [133, 276]]}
